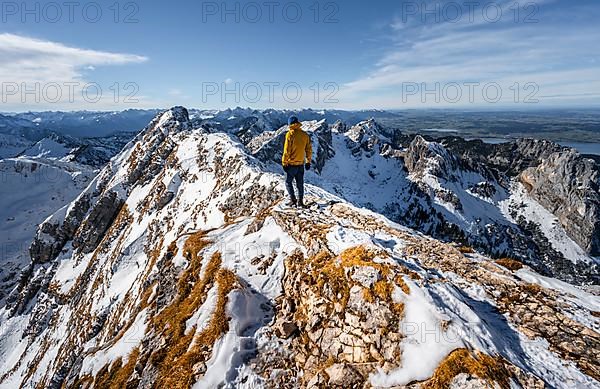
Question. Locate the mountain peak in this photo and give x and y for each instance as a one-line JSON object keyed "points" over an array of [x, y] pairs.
{"points": [[174, 119]]}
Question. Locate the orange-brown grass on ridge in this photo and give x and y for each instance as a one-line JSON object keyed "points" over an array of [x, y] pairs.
{"points": [[510, 264], [384, 289], [466, 249], [175, 361], [84, 382], [191, 291], [361, 256], [332, 270], [476, 364], [326, 271], [133, 159], [179, 372], [117, 375], [399, 280]]}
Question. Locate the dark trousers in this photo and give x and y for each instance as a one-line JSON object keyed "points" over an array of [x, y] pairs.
{"points": [[295, 173]]}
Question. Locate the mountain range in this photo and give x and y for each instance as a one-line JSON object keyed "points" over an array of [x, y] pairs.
{"points": [[167, 259]]}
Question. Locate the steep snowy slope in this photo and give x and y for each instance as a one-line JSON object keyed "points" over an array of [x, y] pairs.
{"points": [[44, 177], [177, 267], [30, 191], [48, 148]]}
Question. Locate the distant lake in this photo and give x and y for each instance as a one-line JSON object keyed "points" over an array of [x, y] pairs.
{"points": [[583, 148], [449, 130]]}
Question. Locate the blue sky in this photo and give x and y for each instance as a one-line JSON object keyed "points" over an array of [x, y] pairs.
{"points": [[356, 54]]}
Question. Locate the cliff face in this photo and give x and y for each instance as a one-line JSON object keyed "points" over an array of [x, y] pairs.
{"points": [[178, 267], [563, 181], [568, 186]]}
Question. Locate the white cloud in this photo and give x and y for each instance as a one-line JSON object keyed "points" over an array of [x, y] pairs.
{"points": [[30, 62], [553, 53]]}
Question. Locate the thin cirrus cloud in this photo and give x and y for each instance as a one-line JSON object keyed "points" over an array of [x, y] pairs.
{"points": [[555, 57], [26, 60]]}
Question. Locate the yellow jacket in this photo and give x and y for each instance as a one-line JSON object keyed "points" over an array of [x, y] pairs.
{"points": [[297, 147]]}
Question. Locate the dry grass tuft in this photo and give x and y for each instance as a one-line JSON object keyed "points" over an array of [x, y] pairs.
{"points": [[117, 375], [122, 375], [383, 290], [510, 264], [368, 295], [326, 270], [462, 361], [533, 289], [466, 249], [361, 256], [399, 280], [107, 374], [329, 272], [219, 323]]}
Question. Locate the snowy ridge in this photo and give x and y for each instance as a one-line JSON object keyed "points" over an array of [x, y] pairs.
{"points": [[184, 270]]}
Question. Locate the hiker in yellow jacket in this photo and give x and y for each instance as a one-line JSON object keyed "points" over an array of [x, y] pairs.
{"points": [[297, 154]]}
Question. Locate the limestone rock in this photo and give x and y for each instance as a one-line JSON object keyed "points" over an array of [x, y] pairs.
{"points": [[366, 275], [285, 329], [343, 375]]}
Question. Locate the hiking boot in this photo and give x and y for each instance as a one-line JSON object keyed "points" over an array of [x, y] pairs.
{"points": [[291, 203], [301, 204]]}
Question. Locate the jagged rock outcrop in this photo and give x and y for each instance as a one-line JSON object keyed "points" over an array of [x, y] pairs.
{"points": [[367, 136], [430, 157], [86, 222], [514, 157], [253, 126], [559, 178], [323, 147], [346, 314], [53, 234], [339, 127], [510, 158], [449, 178], [100, 218]]}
